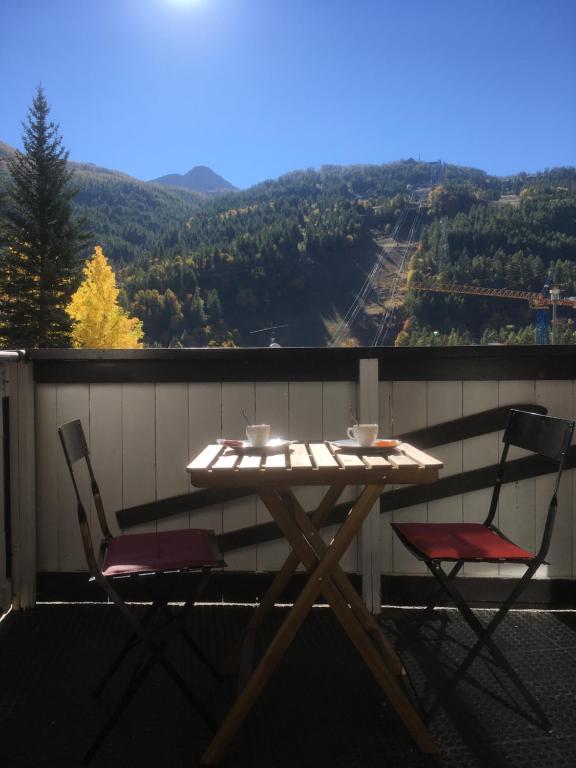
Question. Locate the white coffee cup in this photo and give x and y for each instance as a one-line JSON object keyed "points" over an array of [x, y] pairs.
{"points": [[364, 434], [258, 435]]}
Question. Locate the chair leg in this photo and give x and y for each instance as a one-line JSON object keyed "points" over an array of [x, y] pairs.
{"points": [[192, 644], [406, 640], [132, 642], [157, 654], [161, 596], [484, 634], [130, 691]]}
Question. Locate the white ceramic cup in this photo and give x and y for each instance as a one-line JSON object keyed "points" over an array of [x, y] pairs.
{"points": [[364, 434], [258, 435]]}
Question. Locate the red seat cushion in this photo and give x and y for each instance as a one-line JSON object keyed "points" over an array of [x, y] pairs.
{"points": [[459, 541], [154, 552]]}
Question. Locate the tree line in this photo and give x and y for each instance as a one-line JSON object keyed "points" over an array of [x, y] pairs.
{"points": [[194, 271]]}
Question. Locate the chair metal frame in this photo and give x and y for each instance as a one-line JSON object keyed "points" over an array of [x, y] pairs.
{"points": [[157, 584], [544, 435]]}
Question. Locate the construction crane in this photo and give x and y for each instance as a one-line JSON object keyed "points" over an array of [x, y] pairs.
{"points": [[536, 301]]}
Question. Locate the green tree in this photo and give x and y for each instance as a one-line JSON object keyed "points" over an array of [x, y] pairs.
{"points": [[40, 240]]}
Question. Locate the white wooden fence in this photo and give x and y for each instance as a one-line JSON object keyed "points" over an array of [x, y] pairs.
{"points": [[142, 435]]}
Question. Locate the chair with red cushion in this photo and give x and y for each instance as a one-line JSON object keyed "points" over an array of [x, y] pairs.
{"points": [[152, 559], [460, 543]]}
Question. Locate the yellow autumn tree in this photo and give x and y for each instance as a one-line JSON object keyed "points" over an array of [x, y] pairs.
{"points": [[99, 322]]}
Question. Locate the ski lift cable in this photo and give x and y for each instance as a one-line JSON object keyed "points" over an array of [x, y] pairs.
{"points": [[386, 320], [361, 295], [387, 316], [352, 312]]}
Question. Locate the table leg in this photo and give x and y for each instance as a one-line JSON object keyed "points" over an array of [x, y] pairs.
{"points": [[351, 622], [281, 581], [288, 630], [360, 610]]}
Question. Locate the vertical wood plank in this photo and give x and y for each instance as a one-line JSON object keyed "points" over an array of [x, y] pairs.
{"points": [[139, 447], [409, 406], [5, 584], [204, 427], [272, 407], [23, 485], [72, 402], [106, 451], [48, 457], [172, 449], [241, 513], [4, 600], [558, 398]]}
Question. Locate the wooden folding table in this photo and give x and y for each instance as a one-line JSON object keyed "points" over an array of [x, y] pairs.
{"points": [[272, 475]]}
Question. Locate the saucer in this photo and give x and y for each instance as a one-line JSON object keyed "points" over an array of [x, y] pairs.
{"points": [[379, 445]]}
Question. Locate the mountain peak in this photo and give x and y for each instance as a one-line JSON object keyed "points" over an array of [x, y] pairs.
{"points": [[200, 178]]}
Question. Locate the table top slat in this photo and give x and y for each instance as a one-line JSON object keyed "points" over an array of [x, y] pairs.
{"points": [[206, 457], [322, 456], [250, 462], [376, 461], [299, 457], [401, 461], [275, 461], [419, 456], [349, 460], [226, 461]]}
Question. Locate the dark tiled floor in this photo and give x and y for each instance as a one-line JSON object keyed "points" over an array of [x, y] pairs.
{"points": [[52, 656]]}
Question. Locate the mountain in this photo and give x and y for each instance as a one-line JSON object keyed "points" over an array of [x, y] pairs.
{"points": [[198, 179], [129, 218], [6, 151]]}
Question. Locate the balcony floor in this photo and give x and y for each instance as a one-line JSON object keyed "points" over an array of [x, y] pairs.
{"points": [[52, 656]]}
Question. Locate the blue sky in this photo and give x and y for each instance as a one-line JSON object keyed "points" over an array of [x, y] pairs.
{"points": [[256, 88]]}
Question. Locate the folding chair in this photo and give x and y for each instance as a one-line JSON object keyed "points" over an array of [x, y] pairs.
{"points": [[459, 543], [152, 558]]}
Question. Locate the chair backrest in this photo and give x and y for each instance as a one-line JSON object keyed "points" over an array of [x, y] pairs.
{"points": [[543, 435], [540, 434], [76, 449]]}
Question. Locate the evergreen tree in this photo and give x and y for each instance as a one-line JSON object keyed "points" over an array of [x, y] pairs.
{"points": [[99, 320], [39, 238]]}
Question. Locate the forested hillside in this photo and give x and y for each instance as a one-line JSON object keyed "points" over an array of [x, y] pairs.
{"points": [[296, 252], [289, 252], [527, 242]]}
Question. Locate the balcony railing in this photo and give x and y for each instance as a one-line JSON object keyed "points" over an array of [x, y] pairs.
{"points": [[146, 412]]}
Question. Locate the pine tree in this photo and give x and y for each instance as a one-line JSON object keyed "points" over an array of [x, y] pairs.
{"points": [[39, 239], [99, 320]]}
